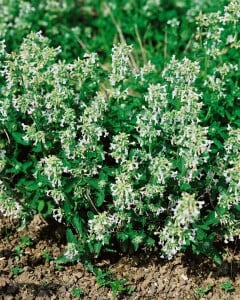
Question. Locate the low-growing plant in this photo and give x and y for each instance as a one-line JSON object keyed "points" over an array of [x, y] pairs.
{"points": [[25, 241], [202, 291], [227, 286], [17, 271], [157, 28], [127, 155], [105, 278], [47, 256], [77, 292]]}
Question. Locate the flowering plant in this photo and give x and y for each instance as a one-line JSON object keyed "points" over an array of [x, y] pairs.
{"points": [[125, 155]]}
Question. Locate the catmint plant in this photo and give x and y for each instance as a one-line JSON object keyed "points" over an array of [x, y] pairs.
{"points": [[130, 152]]}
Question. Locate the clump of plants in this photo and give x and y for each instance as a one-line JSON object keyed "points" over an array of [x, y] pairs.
{"points": [[128, 155]]}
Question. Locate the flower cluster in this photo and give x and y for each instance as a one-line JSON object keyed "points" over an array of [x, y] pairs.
{"points": [[177, 231], [71, 251], [53, 168], [8, 205], [101, 226], [120, 63], [230, 196]]}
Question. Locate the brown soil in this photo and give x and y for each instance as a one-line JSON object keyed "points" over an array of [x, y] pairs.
{"points": [[148, 277]]}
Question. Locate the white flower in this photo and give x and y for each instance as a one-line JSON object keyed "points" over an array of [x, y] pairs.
{"points": [[71, 251]]}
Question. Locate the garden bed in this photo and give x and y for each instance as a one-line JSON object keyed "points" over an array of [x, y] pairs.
{"points": [[28, 271]]}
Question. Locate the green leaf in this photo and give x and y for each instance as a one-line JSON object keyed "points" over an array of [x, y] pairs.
{"points": [[38, 148], [41, 205], [201, 235], [211, 219], [18, 137], [90, 215], [70, 236], [31, 185], [204, 227], [77, 223], [122, 236], [100, 198], [93, 183], [185, 187], [67, 207], [69, 185], [150, 242], [217, 258], [62, 260], [218, 143], [97, 248], [26, 165], [48, 209]]}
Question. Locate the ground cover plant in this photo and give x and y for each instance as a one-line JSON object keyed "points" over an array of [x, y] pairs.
{"points": [[129, 139]]}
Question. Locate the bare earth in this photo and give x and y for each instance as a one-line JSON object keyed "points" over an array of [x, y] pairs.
{"points": [[148, 276]]}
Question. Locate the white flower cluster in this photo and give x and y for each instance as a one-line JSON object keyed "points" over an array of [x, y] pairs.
{"points": [[8, 205], [91, 132], [120, 147], [214, 27], [32, 134], [120, 63], [2, 156], [2, 48], [160, 169], [181, 72], [71, 251], [52, 167], [141, 73], [178, 231], [187, 210], [101, 226], [57, 214], [162, 146], [125, 196], [57, 195], [151, 5], [150, 116], [182, 122], [230, 168]]}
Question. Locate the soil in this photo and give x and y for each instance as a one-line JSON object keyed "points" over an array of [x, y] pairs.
{"points": [[29, 272]]}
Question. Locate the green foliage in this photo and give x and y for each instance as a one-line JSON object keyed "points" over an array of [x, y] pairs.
{"points": [[202, 291], [106, 278], [130, 138], [25, 241], [47, 256], [227, 286], [17, 271], [77, 292]]}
